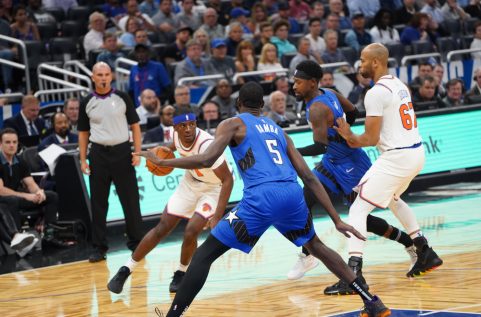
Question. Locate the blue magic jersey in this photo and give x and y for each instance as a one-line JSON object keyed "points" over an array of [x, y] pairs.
{"points": [[262, 155]]}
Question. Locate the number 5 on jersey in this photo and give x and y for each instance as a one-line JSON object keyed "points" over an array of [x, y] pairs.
{"points": [[271, 145], [406, 118]]}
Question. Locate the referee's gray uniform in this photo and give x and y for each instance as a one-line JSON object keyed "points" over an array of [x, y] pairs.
{"points": [[108, 117]]}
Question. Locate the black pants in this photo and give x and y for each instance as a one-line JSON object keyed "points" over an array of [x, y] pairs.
{"points": [[113, 164], [14, 205], [8, 228]]}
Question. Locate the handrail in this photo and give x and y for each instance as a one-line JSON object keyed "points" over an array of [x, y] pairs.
{"points": [[337, 64], [122, 73], [199, 78], [77, 65], [60, 82], [459, 52], [390, 59], [65, 73], [259, 72], [12, 95], [407, 58], [24, 56], [61, 90]]}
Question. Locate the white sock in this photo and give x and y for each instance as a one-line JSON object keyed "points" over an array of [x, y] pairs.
{"points": [[182, 267], [131, 264], [358, 218], [406, 217]]}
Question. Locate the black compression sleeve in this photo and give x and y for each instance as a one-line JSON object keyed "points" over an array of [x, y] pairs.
{"points": [[352, 115], [313, 149]]}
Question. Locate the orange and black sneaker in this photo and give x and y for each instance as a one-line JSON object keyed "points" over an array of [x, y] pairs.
{"points": [[375, 308], [427, 261]]}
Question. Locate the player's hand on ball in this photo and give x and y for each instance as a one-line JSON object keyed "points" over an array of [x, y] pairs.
{"points": [[345, 229], [149, 155], [343, 128]]}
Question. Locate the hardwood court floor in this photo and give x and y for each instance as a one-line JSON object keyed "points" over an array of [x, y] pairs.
{"points": [[255, 284]]}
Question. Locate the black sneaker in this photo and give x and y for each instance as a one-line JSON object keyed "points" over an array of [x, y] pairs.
{"points": [[375, 308], [339, 288], [427, 261], [97, 256], [117, 282], [176, 281]]}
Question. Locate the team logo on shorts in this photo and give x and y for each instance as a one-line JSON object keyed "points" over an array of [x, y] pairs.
{"points": [[232, 216], [206, 207]]}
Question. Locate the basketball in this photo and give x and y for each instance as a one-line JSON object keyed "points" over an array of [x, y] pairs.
{"points": [[160, 170]]}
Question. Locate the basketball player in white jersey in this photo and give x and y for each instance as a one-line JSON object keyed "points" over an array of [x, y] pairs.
{"points": [[391, 125], [201, 197]]}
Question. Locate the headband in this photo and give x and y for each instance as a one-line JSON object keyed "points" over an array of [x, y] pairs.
{"points": [[302, 75], [184, 118]]}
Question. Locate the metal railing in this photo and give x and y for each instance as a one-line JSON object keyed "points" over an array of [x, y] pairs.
{"points": [[78, 67], [259, 72], [60, 89], [184, 80], [336, 65], [23, 52], [408, 58], [122, 74], [450, 55], [391, 61]]}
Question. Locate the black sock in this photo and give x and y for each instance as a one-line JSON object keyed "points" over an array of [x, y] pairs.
{"points": [[380, 227], [400, 236], [359, 288], [196, 275]]}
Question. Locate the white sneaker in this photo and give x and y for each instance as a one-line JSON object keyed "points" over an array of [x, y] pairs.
{"points": [[302, 266], [21, 240], [412, 255], [23, 252]]}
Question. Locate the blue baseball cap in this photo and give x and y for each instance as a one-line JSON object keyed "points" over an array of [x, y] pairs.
{"points": [[237, 12], [217, 42]]}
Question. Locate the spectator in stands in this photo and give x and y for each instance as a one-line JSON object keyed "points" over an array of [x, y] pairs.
{"points": [[318, 45], [128, 37], [6, 11], [15, 178], [209, 116], [271, 6], [432, 9], [245, 61], [284, 14], [280, 38], [268, 61], [38, 14], [210, 25], [327, 81], [240, 15], [404, 14], [356, 96], [337, 7], [22, 28], [424, 69], [22, 243], [202, 37], [110, 51], [65, 5], [281, 83], [149, 105], [223, 97], [259, 16], [332, 54], [182, 99], [452, 11], [303, 54], [299, 10], [188, 16], [217, 6], [27, 122], [166, 21], [165, 131], [438, 74], [6, 52], [332, 23], [114, 9], [427, 92], [368, 7], [474, 9], [194, 65], [454, 93], [176, 51], [383, 30], [278, 111], [141, 37], [71, 109], [358, 36], [148, 74], [417, 29], [266, 32], [476, 43], [474, 94], [234, 37], [149, 7], [220, 62], [133, 11], [61, 133], [94, 38]]}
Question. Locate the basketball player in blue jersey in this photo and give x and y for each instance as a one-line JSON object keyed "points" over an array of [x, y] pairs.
{"points": [[341, 168], [269, 165]]}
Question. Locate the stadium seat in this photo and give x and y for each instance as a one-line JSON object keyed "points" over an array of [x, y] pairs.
{"points": [[451, 27], [58, 13], [36, 53], [73, 29], [47, 30], [469, 25], [396, 50], [80, 13], [63, 49], [159, 50], [446, 44], [466, 41], [286, 59], [350, 54], [422, 47], [294, 38], [153, 37]]}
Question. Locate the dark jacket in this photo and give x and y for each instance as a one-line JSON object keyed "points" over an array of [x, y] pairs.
{"points": [[16, 122], [52, 139], [155, 135]]}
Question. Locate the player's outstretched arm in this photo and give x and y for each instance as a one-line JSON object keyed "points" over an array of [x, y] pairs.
{"points": [[315, 186], [318, 117], [224, 134], [225, 175], [349, 109], [370, 137]]}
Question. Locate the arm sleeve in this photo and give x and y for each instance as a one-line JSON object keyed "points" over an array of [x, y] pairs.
{"points": [[313, 149], [83, 119], [130, 112], [376, 99], [352, 115]]}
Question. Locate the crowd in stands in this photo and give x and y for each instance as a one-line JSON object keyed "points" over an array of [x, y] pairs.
{"points": [[173, 40]]}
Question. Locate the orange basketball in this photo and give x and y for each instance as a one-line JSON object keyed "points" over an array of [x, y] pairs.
{"points": [[160, 170]]}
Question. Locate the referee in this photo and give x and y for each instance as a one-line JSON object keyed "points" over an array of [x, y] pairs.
{"points": [[104, 119]]}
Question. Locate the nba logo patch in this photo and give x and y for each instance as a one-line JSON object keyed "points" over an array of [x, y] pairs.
{"points": [[403, 94]]}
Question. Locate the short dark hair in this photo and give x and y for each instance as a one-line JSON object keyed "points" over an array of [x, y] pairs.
{"points": [[280, 24], [182, 110], [52, 119], [453, 82], [251, 95], [7, 131], [311, 68], [427, 78], [426, 63], [314, 19], [65, 104]]}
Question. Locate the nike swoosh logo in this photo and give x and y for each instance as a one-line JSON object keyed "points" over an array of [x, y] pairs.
{"points": [[349, 170]]}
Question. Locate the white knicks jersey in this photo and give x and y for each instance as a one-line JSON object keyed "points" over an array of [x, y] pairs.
{"points": [[201, 143], [391, 99]]}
